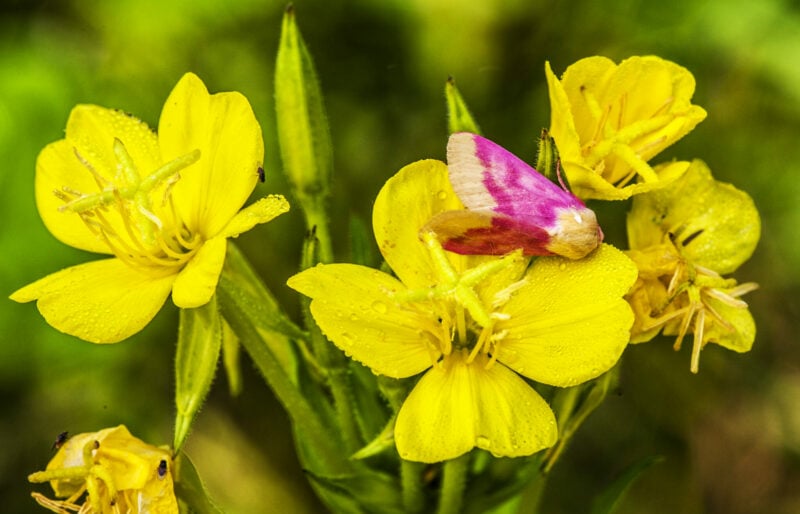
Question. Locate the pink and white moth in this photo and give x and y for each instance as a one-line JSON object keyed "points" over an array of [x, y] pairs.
{"points": [[509, 205]]}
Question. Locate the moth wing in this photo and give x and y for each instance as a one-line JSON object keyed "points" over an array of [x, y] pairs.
{"points": [[469, 232], [486, 176]]}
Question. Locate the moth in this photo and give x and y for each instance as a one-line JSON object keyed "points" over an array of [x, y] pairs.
{"points": [[509, 205]]}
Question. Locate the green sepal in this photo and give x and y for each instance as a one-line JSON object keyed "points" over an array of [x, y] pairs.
{"points": [[199, 343], [547, 160], [610, 499], [303, 133], [230, 359], [360, 493], [189, 488], [459, 119], [382, 442]]}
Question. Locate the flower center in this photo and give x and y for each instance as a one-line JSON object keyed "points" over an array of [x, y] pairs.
{"points": [[150, 237], [464, 322], [690, 289], [617, 136]]}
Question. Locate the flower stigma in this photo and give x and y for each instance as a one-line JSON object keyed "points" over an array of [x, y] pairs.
{"points": [[153, 239], [463, 322]]}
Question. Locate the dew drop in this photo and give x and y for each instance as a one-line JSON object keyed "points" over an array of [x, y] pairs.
{"points": [[353, 317], [347, 339], [562, 266], [379, 307], [442, 195], [483, 442]]}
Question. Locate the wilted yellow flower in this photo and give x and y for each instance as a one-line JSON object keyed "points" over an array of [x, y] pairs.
{"points": [[609, 120], [683, 239], [163, 205], [472, 324], [117, 471]]}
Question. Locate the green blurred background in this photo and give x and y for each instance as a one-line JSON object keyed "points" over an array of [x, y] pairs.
{"points": [[730, 436]]}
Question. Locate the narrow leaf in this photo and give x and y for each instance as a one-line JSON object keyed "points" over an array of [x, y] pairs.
{"points": [[199, 342], [610, 499], [189, 488]]}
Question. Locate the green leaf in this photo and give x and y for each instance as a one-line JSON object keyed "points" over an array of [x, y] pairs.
{"points": [[199, 342], [190, 490], [230, 359], [359, 493], [573, 406], [610, 499], [459, 118]]}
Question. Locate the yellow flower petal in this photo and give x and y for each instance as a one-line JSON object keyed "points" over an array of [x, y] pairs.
{"points": [[586, 183], [353, 307], [403, 206], [608, 120], [224, 129], [259, 212], [135, 469], [91, 131], [569, 323], [716, 225], [458, 406], [102, 301], [740, 333], [197, 281]]}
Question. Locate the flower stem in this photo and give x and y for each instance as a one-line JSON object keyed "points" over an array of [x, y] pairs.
{"points": [[317, 220], [411, 478], [455, 479]]}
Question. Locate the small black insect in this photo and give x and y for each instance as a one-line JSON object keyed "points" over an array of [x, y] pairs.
{"points": [[261, 174], [60, 440], [162, 468]]}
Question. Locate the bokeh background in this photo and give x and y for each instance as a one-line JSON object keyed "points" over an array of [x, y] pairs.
{"points": [[730, 436]]}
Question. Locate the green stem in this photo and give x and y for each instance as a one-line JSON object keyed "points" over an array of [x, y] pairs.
{"points": [[325, 445], [411, 478], [453, 484], [317, 220]]}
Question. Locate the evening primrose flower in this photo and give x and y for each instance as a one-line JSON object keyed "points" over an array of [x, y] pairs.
{"points": [[474, 325], [116, 471], [684, 239], [163, 205], [609, 120]]}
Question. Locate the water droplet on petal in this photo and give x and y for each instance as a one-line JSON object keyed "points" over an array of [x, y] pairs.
{"points": [[442, 195], [483, 442], [379, 307], [562, 266]]}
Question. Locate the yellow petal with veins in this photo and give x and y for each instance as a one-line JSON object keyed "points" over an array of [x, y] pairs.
{"points": [[103, 301], [90, 134], [569, 323], [197, 281], [354, 308], [223, 127], [459, 406], [254, 214]]}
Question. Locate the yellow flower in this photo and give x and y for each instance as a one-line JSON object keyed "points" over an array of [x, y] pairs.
{"points": [[608, 120], [163, 205], [472, 324], [119, 473], [683, 239]]}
